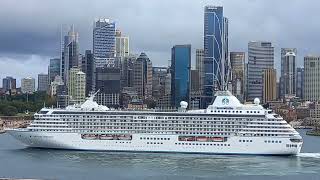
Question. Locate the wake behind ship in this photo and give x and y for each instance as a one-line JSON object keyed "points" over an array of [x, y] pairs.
{"points": [[225, 127]]}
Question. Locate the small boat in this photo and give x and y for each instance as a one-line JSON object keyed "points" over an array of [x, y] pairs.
{"points": [[106, 137], [202, 139], [125, 137], [217, 139], [89, 136]]}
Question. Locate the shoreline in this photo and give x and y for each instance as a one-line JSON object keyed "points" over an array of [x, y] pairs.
{"points": [[313, 133]]}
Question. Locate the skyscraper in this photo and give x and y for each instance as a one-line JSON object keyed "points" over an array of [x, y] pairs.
{"points": [[70, 53], [142, 80], [269, 77], [237, 60], [54, 69], [43, 82], [200, 67], [312, 78], [300, 82], [215, 50], [28, 85], [77, 86], [122, 45], [260, 57], [88, 69], [127, 66], [180, 74], [8, 83], [287, 64], [104, 33]]}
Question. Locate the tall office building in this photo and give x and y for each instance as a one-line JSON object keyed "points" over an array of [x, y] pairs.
{"points": [[108, 84], [122, 45], [87, 66], [300, 82], [260, 57], [104, 33], [77, 86], [28, 85], [215, 51], [142, 80], [70, 53], [8, 83], [54, 69], [127, 66], [287, 78], [312, 78], [180, 74], [194, 80], [269, 77], [237, 60], [158, 81], [200, 67], [43, 82]]}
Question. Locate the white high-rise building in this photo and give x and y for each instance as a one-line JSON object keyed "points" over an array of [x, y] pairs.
{"points": [[77, 86], [122, 45], [28, 85], [260, 57]]}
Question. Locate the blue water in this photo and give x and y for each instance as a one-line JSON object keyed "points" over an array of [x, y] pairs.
{"points": [[16, 161]]}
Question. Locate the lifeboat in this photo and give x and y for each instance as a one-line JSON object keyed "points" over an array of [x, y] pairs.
{"points": [[106, 137], [217, 139], [89, 136], [125, 137], [202, 139]]}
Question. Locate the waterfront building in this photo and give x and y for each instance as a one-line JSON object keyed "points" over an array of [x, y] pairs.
{"points": [[215, 51], [315, 113], [237, 60], [260, 57], [43, 82], [122, 45], [70, 53], [28, 85], [54, 69], [180, 74], [142, 79], [288, 63], [300, 82], [269, 77], [312, 78], [8, 84], [200, 67], [104, 33], [76, 86]]}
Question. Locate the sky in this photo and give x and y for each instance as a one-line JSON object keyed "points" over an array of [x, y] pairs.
{"points": [[30, 30]]}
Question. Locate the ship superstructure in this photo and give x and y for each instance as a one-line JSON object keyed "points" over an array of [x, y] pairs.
{"points": [[225, 127]]}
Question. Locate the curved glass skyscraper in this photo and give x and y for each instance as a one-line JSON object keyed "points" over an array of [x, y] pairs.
{"points": [[215, 51]]}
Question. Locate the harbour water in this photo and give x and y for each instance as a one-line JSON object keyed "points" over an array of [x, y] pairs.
{"points": [[17, 161]]}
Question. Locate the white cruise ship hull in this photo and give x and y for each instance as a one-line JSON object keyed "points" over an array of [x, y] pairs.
{"points": [[159, 143]]}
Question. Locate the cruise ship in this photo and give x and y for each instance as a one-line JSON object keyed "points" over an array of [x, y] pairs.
{"points": [[225, 127]]}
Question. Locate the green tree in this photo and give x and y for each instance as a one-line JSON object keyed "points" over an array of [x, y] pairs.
{"points": [[9, 111]]}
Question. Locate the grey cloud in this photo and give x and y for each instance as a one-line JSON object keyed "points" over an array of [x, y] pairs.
{"points": [[154, 26]]}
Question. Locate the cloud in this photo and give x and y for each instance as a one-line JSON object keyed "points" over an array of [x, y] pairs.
{"points": [[23, 66], [32, 27]]}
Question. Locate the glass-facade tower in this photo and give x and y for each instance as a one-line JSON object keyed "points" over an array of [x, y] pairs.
{"points": [[215, 51], [180, 74]]}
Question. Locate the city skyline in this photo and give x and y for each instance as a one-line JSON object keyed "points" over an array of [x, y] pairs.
{"points": [[38, 43]]}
